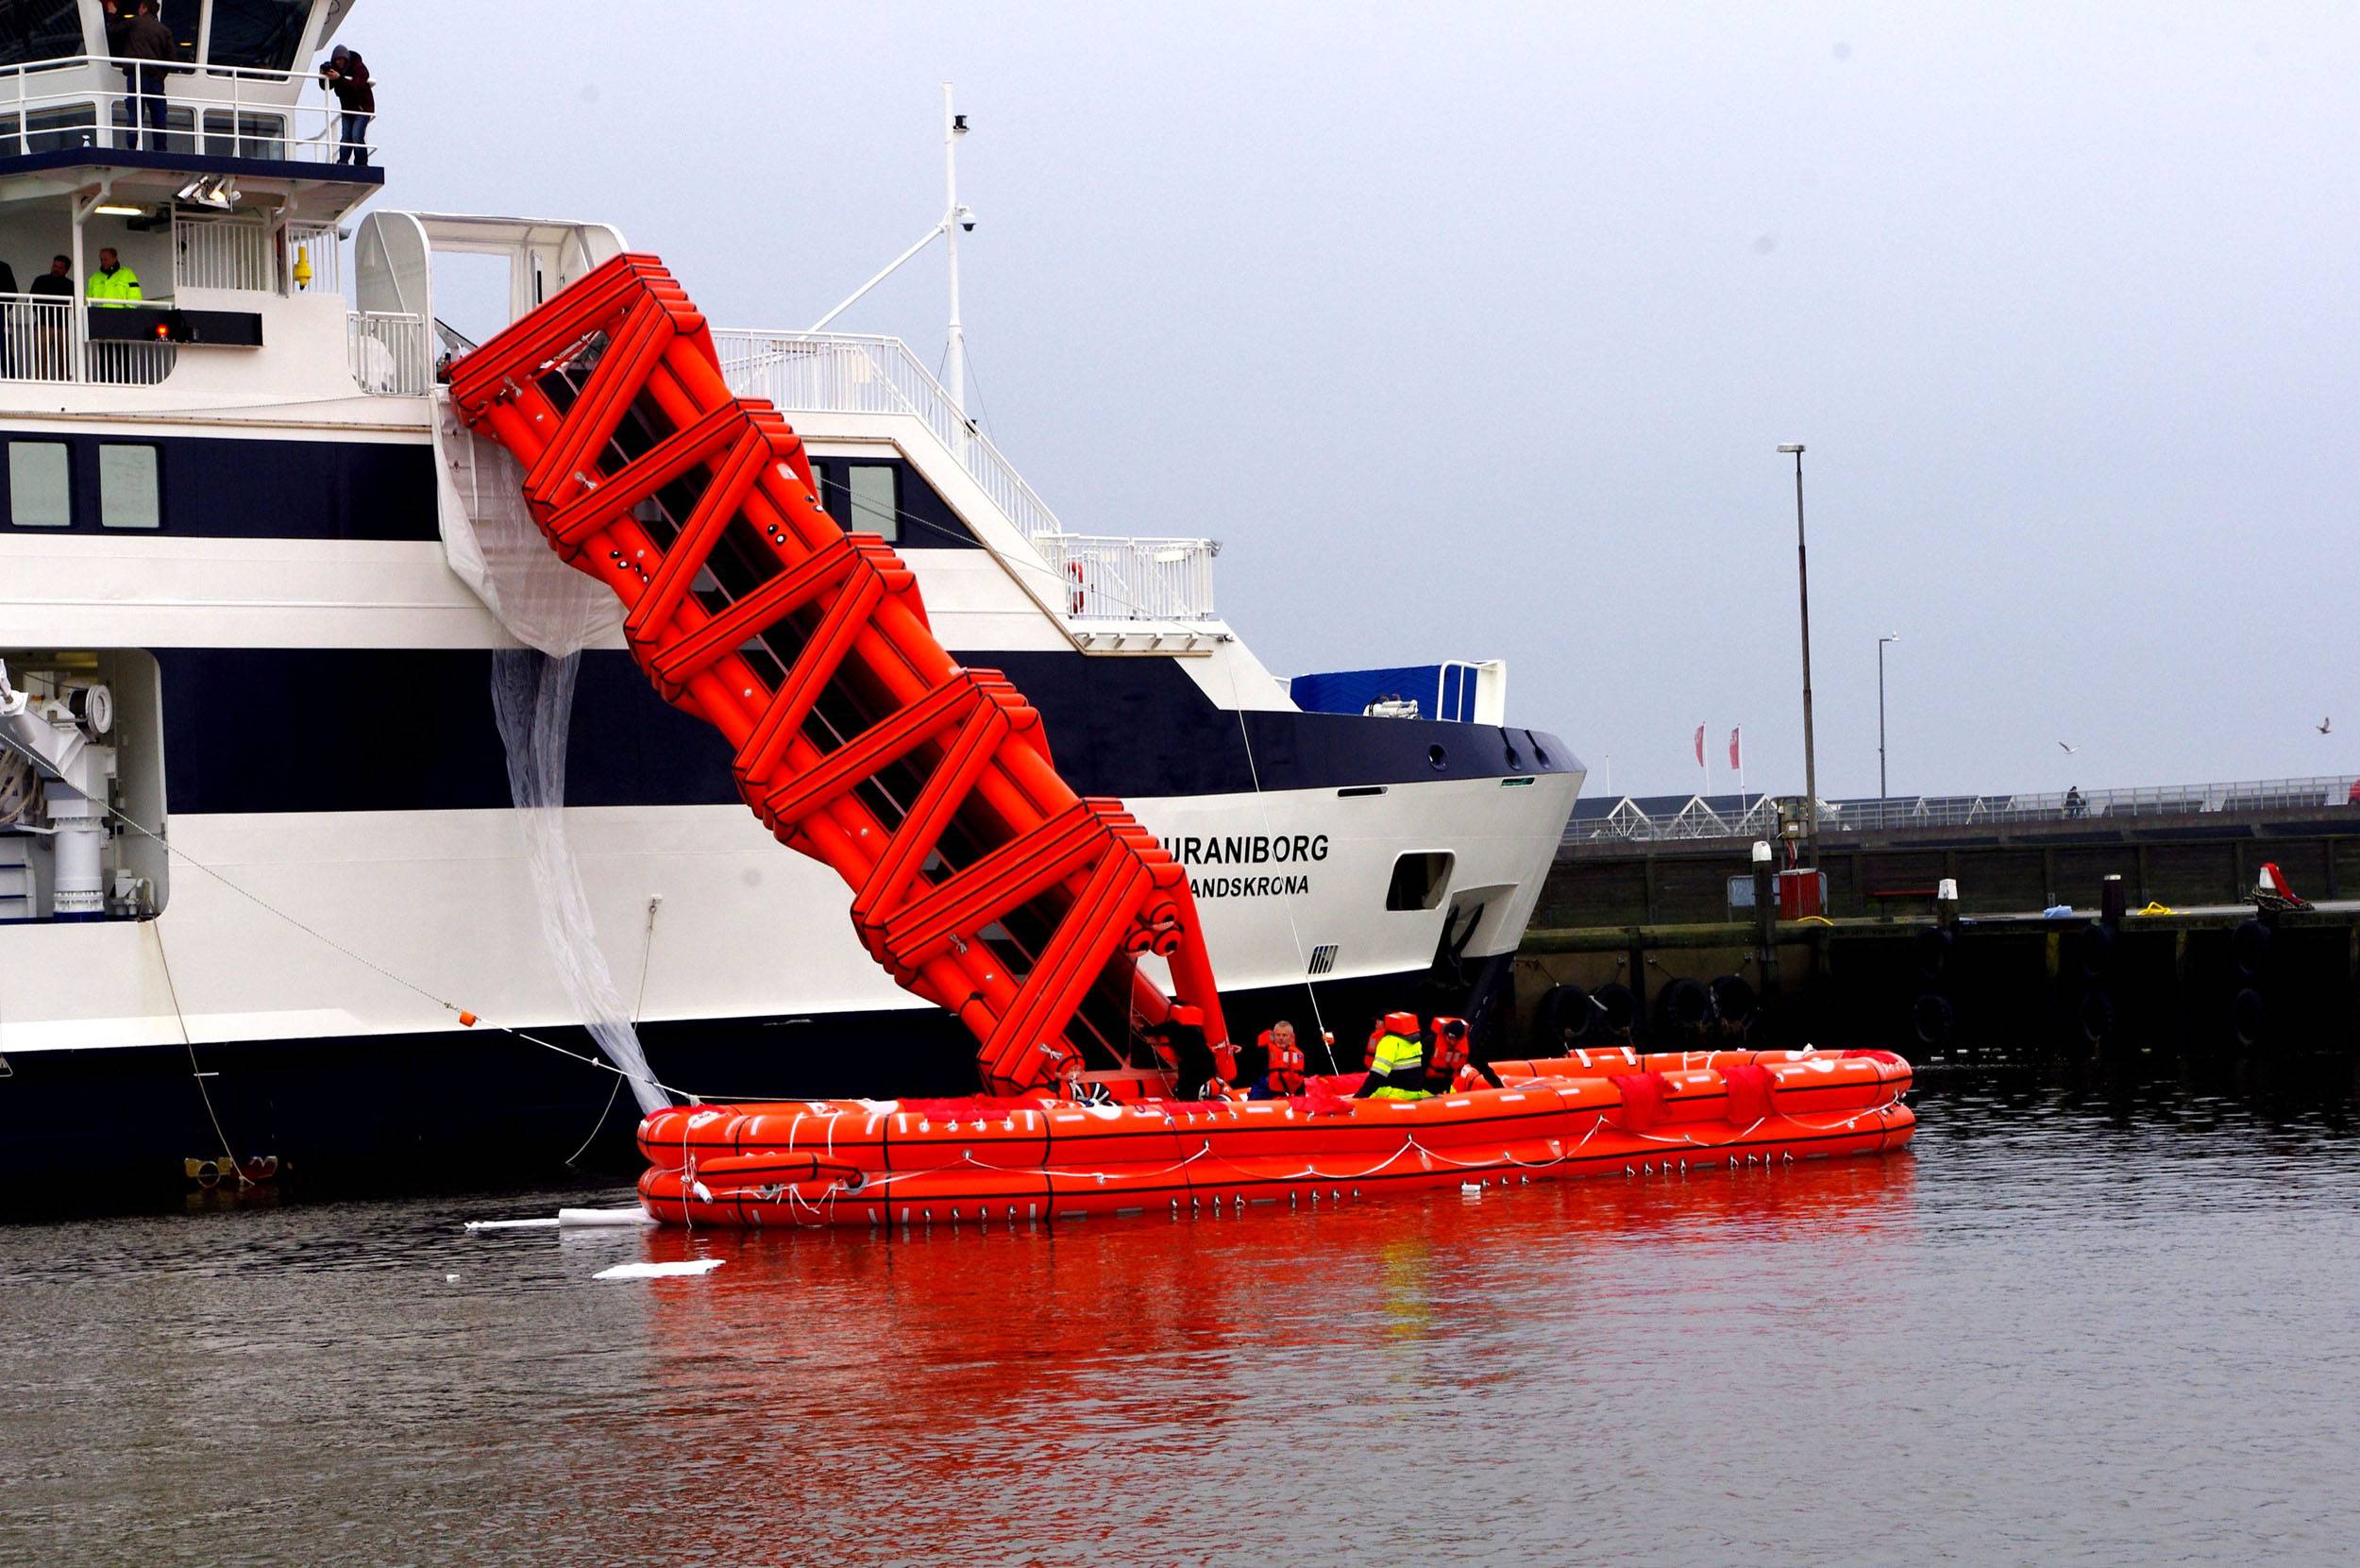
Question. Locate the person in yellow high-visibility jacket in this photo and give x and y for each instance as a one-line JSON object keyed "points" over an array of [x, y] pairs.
{"points": [[1396, 1060], [113, 284]]}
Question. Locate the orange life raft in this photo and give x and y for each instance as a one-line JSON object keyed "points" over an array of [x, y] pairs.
{"points": [[881, 1162]]}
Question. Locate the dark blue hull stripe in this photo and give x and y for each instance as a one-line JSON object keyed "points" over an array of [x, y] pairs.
{"points": [[471, 1110], [251, 487], [322, 730], [255, 487]]}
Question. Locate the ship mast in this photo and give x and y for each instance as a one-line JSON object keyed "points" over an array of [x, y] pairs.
{"points": [[955, 219]]}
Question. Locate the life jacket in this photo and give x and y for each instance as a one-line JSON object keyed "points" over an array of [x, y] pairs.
{"points": [[1286, 1065], [1397, 1055], [1446, 1057], [1404, 1024]]}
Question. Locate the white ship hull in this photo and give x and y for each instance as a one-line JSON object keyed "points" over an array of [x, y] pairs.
{"points": [[272, 555]]}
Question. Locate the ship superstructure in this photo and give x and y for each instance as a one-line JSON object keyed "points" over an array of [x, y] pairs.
{"points": [[246, 552]]}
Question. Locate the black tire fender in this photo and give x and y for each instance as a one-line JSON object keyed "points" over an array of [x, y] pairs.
{"points": [[2097, 1017], [2249, 1019], [1932, 1020], [2251, 942], [1618, 1010]]}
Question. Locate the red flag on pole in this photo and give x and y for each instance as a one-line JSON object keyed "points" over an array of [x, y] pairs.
{"points": [[1737, 757], [1700, 745]]}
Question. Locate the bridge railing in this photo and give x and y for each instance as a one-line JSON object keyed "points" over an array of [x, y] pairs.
{"points": [[210, 110]]}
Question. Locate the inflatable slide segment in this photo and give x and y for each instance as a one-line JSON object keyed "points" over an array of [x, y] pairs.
{"points": [[886, 1162], [980, 880]]}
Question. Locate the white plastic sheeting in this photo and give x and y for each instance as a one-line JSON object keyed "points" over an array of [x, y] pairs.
{"points": [[499, 554], [684, 1269], [555, 612]]}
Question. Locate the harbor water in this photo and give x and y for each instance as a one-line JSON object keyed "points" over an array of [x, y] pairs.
{"points": [[2075, 1325]]}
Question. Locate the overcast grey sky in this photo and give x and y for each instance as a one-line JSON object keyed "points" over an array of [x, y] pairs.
{"points": [[1471, 329]]}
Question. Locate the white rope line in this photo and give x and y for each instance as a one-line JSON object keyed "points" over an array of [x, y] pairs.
{"points": [[373, 966], [1286, 900], [172, 988], [638, 1009]]}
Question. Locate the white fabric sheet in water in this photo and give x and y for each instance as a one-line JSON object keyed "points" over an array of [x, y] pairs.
{"points": [[660, 1271], [556, 612]]}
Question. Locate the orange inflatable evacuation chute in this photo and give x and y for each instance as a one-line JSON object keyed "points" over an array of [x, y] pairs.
{"points": [[980, 880]]}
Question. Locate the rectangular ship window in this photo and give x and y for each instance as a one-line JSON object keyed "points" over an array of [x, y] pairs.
{"points": [[876, 501], [41, 490], [129, 494]]}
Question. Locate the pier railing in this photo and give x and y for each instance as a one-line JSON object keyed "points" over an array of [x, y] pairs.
{"points": [[1652, 818]]}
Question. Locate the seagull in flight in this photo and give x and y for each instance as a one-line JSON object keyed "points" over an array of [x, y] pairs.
{"points": [[2069, 750]]}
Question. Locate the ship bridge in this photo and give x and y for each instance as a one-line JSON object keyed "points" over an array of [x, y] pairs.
{"points": [[238, 193]]}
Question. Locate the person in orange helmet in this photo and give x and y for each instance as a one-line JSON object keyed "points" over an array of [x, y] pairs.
{"points": [[1396, 1060]]}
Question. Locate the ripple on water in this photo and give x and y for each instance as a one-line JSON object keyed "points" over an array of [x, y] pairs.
{"points": [[2069, 1326]]}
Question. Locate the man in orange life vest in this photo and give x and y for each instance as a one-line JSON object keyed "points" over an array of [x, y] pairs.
{"points": [[1396, 1060], [1409, 1063], [1449, 1069], [1283, 1077]]}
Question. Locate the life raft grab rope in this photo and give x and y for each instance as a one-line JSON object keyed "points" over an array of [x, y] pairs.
{"points": [[1593, 1114], [859, 741]]}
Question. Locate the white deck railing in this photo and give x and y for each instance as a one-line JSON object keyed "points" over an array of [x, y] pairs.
{"points": [[321, 244], [36, 344], [388, 350], [37, 338], [221, 253], [219, 112], [847, 373], [1105, 578]]}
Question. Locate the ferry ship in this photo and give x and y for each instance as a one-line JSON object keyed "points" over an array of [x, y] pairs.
{"points": [[260, 860]]}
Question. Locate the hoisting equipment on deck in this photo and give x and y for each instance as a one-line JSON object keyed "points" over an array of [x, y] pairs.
{"points": [[981, 881]]}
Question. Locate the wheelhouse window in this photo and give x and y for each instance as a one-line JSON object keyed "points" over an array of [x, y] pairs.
{"points": [[34, 30], [40, 484], [258, 34], [863, 497], [876, 500], [130, 492]]}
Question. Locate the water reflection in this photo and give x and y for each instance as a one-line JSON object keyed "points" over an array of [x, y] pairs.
{"points": [[2020, 1342]]}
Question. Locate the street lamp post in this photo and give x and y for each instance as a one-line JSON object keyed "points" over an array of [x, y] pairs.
{"points": [[1888, 637], [1810, 755]]}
